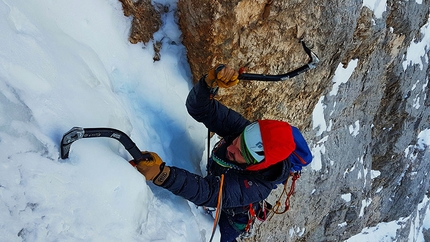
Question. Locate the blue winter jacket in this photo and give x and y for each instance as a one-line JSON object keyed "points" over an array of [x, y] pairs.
{"points": [[241, 187]]}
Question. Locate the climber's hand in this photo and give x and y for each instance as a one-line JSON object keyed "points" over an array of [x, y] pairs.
{"points": [[222, 75], [153, 168]]}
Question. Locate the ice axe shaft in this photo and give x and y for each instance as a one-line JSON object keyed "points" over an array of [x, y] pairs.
{"points": [[77, 133], [282, 77]]}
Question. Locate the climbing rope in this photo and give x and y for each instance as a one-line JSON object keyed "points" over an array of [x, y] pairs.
{"points": [[218, 207], [277, 206]]}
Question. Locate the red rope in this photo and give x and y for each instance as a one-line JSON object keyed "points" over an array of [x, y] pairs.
{"points": [[252, 216], [292, 189], [295, 176]]}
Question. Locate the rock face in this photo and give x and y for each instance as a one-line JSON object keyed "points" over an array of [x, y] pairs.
{"points": [[146, 19], [371, 168]]}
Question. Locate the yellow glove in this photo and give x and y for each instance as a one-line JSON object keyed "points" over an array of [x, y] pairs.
{"points": [[226, 76], [153, 168]]}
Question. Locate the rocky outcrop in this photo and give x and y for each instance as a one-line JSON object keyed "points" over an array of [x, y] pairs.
{"points": [[146, 19], [375, 174]]}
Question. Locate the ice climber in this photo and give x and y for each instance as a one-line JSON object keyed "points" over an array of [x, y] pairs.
{"points": [[251, 158]]}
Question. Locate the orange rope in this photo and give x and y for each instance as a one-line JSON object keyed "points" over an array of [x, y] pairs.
{"points": [[218, 207]]}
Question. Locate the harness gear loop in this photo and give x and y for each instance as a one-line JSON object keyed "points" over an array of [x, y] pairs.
{"points": [[265, 211], [277, 206], [218, 207]]}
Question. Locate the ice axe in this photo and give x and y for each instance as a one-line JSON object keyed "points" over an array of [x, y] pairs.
{"points": [[282, 77], [77, 133]]}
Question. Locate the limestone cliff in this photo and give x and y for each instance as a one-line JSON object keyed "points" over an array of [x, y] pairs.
{"points": [[380, 167]]}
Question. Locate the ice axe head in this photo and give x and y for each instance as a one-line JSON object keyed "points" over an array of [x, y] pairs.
{"points": [[68, 138]]}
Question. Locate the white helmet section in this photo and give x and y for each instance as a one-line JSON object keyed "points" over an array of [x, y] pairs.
{"points": [[253, 141]]}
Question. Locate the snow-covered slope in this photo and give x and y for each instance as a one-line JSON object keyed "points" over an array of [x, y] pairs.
{"points": [[69, 63]]}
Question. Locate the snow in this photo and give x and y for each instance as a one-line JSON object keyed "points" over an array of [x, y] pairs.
{"points": [[346, 197], [296, 231], [317, 151], [69, 63], [342, 224], [426, 222], [342, 75], [387, 231], [416, 53], [377, 6], [422, 143], [416, 234], [374, 174], [354, 129], [383, 232], [417, 99], [364, 204], [349, 170], [423, 139], [318, 121]]}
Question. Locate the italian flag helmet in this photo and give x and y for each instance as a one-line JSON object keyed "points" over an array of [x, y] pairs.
{"points": [[266, 142]]}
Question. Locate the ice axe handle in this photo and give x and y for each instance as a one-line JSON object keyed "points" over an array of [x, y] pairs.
{"points": [[141, 157], [77, 133], [274, 78], [313, 61]]}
